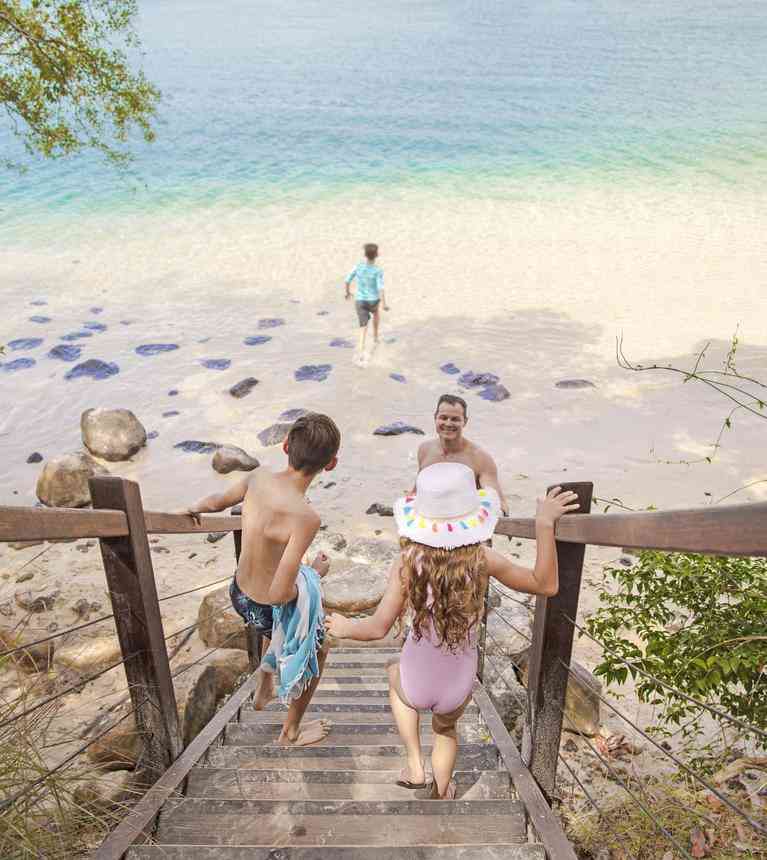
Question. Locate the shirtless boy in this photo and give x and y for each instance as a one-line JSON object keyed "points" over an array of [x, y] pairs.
{"points": [[278, 525], [451, 446]]}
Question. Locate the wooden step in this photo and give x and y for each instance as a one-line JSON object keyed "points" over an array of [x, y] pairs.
{"points": [[500, 851], [262, 823], [333, 671], [344, 735], [352, 686], [362, 704], [342, 718], [390, 757], [332, 784]]}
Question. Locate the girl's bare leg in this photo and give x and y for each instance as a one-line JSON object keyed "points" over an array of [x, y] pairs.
{"points": [[445, 750], [408, 725]]}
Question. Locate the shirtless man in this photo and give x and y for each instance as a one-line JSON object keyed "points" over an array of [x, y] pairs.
{"points": [[278, 525], [451, 446]]}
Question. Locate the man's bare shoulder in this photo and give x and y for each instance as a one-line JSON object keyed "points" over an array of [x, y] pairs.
{"points": [[480, 456], [429, 452]]}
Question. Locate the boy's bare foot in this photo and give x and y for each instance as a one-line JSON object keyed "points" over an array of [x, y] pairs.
{"points": [[311, 733], [265, 692]]}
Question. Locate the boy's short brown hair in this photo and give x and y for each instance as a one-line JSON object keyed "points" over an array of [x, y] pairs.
{"points": [[371, 251], [313, 441]]}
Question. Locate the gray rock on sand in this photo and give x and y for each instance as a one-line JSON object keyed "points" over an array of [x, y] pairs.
{"points": [[63, 483], [274, 435], [218, 624], [112, 434], [88, 654], [397, 428], [371, 551], [356, 589], [243, 387], [380, 509], [230, 458], [574, 383]]}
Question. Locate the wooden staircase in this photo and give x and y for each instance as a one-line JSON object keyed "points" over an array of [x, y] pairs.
{"points": [[248, 799]]}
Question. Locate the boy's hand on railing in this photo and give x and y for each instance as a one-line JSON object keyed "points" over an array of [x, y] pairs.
{"points": [[321, 564], [556, 503], [188, 512]]}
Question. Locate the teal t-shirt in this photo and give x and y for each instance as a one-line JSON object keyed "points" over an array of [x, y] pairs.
{"points": [[369, 282]]}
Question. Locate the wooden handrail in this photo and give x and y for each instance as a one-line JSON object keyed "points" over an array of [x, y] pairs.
{"points": [[721, 530]]}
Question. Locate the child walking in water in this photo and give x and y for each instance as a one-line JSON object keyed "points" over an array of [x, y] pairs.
{"points": [[370, 295], [440, 578], [272, 590]]}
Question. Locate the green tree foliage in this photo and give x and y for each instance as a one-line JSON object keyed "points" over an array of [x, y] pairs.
{"points": [[697, 623], [66, 82]]}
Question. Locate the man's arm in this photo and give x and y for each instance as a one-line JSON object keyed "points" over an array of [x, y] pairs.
{"points": [[487, 474], [219, 501], [303, 530]]}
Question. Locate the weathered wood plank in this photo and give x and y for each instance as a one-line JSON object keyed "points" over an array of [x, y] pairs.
{"points": [[542, 818], [480, 851], [390, 757], [361, 704], [144, 812], [715, 530], [250, 717], [284, 785], [550, 652], [133, 593], [59, 524], [159, 523], [265, 823], [340, 735]]}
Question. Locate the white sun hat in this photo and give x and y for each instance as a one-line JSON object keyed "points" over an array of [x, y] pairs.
{"points": [[447, 510]]}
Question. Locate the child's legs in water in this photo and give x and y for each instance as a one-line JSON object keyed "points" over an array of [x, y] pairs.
{"points": [[408, 724], [445, 748]]}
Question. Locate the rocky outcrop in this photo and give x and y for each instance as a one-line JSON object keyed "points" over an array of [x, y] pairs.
{"points": [[112, 434], [371, 551], [87, 655], [63, 483], [218, 624], [230, 458], [357, 589]]}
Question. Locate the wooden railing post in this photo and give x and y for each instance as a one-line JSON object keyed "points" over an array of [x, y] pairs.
{"points": [[133, 592], [254, 639], [551, 647]]}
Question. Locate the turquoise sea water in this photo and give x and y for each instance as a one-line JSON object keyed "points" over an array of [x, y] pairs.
{"points": [[273, 100]]}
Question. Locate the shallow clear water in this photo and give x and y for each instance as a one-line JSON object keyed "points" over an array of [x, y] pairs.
{"points": [[278, 99]]}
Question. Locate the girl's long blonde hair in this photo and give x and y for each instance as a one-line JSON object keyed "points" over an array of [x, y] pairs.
{"points": [[445, 590]]}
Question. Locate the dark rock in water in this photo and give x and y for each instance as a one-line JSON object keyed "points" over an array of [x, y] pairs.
{"points": [[38, 303], [193, 446], [35, 457], [381, 510], [575, 383], [495, 393], [315, 372], [97, 310], [322, 313], [274, 435], [478, 380], [271, 323], [397, 377], [342, 343], [397, 428], [25, 343], [95, 326], [170, 413], [243, 387], [77, 335], [153, 435], [230, 458], [65, 352], [155, 348], [450, 368], [292, 414], [173, 392], [94, 368], [216, 363], [39, 319], [17, 364], [257, 339]]}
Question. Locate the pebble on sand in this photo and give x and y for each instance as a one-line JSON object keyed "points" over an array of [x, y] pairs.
{"points": [[39, 319], [495, 393], [194, 446], [170, 413], [17, 364], [397, 428], [155, 348], [35, 457], [97, 310], [257, 339], [574, 383], [95, 326], [450, 368], [313, 372], [93, 368], [478, 380], [397, 377], [77, 335], [342, 343], [24, 343], [65, 352], [243, 387], [216, 363], [271, 322]]}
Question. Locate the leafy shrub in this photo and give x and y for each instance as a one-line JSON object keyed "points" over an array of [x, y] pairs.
{"points": [[697, 623]]}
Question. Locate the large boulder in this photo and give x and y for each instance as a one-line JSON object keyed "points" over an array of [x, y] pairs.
{"points": [[508, 695], [372, 551], [230, 458], [33, 658], [505, 641], [63, 483], [218, 624], [119, 748], [357, 589], [112, 434], [87, 655]]}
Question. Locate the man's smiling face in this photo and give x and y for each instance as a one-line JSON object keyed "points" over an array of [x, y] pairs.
{"points": [[449, 421]]}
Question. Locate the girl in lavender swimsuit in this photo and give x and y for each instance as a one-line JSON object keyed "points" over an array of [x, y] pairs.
{"points": [[440, 579]]}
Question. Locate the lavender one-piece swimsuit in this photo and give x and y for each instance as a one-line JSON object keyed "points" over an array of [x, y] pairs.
{"points": [[434, 678]]}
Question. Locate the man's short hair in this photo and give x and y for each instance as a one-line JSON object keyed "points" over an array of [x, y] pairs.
{"points": [[371, 251], [313, 441], [453, 400]]}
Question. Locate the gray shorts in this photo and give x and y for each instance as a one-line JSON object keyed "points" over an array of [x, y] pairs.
{"points": [[364, 311]]}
